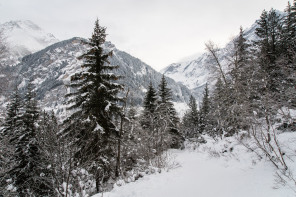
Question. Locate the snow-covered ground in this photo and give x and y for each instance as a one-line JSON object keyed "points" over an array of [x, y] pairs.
{"points": [[216, 169]]}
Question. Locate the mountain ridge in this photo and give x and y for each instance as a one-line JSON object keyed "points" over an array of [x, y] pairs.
{"points": [[24, 37], [52, 67], [196, 73]]}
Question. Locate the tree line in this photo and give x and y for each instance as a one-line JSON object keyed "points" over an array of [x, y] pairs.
{"points": [[103, 140], [260, 79], [106, 139], [253, 97]]}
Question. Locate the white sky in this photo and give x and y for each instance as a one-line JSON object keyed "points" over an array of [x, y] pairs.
{"points": [[158, 32]]}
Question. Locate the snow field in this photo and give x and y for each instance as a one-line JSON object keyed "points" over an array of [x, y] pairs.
{"points": [[215, 169]]}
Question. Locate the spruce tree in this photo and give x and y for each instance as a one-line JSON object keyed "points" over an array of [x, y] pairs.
{"points": [[95, 102], [204, 111], [28, 172], [289, 32], [269, 33], [149, 107], [190, 120], [193, 112], [193, 109], [165, 103], [8, 136], [219, 108], [241, 75], [167, 115], [205, 107], [14, 109], [150, 99]]}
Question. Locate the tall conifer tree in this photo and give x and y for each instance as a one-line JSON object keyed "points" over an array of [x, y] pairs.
{"points": [[149, 107], [165, 103], [191, 119], [28, 172], [12, 120], [205, 110], [269, 32], [166, 115], [95, 101]]}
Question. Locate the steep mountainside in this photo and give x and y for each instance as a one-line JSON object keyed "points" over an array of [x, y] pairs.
{"points": [[196, 73], [52, 67], [23, 38]]}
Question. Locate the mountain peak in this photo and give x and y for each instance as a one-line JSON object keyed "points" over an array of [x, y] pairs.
{"points": [[24, 37], [20, 24]]}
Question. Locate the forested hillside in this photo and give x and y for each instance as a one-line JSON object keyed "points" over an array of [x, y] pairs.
{"points": [[84, 117]]}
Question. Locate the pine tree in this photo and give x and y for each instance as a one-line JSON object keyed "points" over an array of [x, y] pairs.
{"points": [[241, 59], [193, 113], [269, 32], [190, 120], [95, 102], [150, 99], [289, 32], [241, 75], [205, 110], [165, 103], [28, 170], [219, 108], [193, 109], [287, 61], [205, 107], [149, 107], [12, 120], [166, 116], [11, 127]]}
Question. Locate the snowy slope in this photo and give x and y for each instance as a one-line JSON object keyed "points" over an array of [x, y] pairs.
{"points": [[196, 73], [24, 38], [201, 70], [21, 38], [52, 67], [210, 170]]}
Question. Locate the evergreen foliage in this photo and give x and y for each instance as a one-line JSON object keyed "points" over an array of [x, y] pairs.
{"points": [[14, 110], [11, 128], [190, 122], [166, 116], [269, 33], [37, 158], [149, 107], [165, 104], [29, 170], [205, 111], [95, 102]]}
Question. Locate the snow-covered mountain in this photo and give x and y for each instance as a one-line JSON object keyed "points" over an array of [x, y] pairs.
{"points": [[52, 67], [32, 54], [196, 73], [23, 38]]}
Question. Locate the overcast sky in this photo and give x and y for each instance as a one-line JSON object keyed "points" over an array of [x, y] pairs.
{"points": [[159, 32]]}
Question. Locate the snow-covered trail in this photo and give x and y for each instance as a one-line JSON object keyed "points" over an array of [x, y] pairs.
{"points": [[201, 176]]}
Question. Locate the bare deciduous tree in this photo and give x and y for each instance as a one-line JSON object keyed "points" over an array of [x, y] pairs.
{"points": [[213, 50]]}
